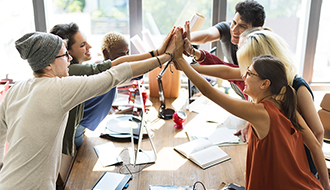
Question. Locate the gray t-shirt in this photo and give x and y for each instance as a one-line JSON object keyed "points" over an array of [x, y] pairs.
{"points": [[229, 49]]}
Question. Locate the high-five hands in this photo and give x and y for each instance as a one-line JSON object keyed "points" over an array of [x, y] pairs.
{"points": [[166, 42]]}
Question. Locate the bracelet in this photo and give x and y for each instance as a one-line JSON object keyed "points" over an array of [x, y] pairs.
{"points": [[157, 52], [160, 64], [152, 53], [204, 54], [168, 53]]}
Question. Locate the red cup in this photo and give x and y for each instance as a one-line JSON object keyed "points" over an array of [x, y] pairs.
{"points": [[179, 117]]}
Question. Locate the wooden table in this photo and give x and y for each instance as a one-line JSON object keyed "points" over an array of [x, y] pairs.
{"points": [[170, 168]]}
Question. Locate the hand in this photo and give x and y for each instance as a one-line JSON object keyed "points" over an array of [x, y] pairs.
{"points": [[244, 133], [179, 43], [186, 33], [327, 187], [166, 42], [176, 43], [188, 49]]}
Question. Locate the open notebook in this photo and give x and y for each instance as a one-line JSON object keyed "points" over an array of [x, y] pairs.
{"points": [[202, 152]]}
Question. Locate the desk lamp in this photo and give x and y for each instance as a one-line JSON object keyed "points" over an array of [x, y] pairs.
{"points": [[163, 112]]}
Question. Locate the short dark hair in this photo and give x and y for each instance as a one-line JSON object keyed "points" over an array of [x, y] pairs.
{"points": [[66, 32], [251, 12]]}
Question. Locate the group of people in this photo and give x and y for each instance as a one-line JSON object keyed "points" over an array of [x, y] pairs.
{"points": [[46, 115]]}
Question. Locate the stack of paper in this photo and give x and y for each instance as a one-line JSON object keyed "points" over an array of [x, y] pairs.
{"points": [[108, 154]]}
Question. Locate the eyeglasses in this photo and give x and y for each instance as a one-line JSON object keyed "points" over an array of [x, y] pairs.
{"points": [[66, 54], [249, 73]]}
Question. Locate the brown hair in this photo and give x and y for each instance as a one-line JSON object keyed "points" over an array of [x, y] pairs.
{"points": [[271, 68]]}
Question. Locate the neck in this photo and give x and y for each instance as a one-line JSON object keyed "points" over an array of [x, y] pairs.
{"points": [[264, 98]]}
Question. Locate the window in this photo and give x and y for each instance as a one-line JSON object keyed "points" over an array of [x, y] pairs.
{"points": [[95, 18], [321, 67], [284, 17], [16, 20], [160, 16]]}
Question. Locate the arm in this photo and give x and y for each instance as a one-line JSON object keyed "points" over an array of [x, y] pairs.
{"points": [[254, 113], [203, 36], [210, 64], [88, 69], [139, 57], [316, 151], [220, 71], [307, 108], [3, 131]]}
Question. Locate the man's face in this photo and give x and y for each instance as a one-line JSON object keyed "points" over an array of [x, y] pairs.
{"points": [[59, 67], [237, 27], [120, 50]]}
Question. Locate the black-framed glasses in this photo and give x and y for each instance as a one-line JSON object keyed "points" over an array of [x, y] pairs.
{"points": [[249, 73], [66, 54]]}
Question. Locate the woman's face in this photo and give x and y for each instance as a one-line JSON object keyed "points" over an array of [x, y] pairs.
{"points": [[252, 82], [80, 49]]}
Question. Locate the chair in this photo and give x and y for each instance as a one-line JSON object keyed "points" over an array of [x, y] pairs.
{"points": [[324, 114], [65, 169]]}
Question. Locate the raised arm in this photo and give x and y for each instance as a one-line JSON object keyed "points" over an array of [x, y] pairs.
{"points": [[202, 36], [316, 151], [139, 57]]}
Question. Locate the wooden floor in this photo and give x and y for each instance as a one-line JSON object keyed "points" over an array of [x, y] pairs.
{"points": [[170, 168]]}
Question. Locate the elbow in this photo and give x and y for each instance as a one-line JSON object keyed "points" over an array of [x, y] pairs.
{"points": [[319, 134]]}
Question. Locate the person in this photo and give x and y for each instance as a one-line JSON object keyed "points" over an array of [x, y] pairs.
{"points": [[96, 109], [114, 45], [248, 14], [34, 112], [79, 48], [276, 158], [255, 42]]}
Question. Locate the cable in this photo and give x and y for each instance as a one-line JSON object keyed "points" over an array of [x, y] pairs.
{"points": [[194, 186]]}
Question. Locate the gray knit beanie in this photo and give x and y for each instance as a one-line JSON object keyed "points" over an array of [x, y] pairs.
{"points": [[39, 48]]}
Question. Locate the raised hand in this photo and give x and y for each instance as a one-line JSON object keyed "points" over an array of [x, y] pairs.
{"points": [[187, 30], [188, 49], [186, 35], [166, 42], [179, 43]]}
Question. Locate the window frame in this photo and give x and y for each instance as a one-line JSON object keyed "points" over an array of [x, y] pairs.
{"points": [[219, 14]]}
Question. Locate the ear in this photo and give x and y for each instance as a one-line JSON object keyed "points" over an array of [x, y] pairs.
{"points": [[265, 84], [48, 68], [106, 54]]}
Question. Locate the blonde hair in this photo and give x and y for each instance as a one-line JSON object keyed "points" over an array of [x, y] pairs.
{"points": [[265, 42], [111, 40]]}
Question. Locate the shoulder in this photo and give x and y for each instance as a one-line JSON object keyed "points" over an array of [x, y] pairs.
{"points": [[224, 30], [300, 82], [223, 25]]}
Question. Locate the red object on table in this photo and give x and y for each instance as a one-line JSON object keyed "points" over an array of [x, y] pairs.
{"points": [[179, 117]]}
